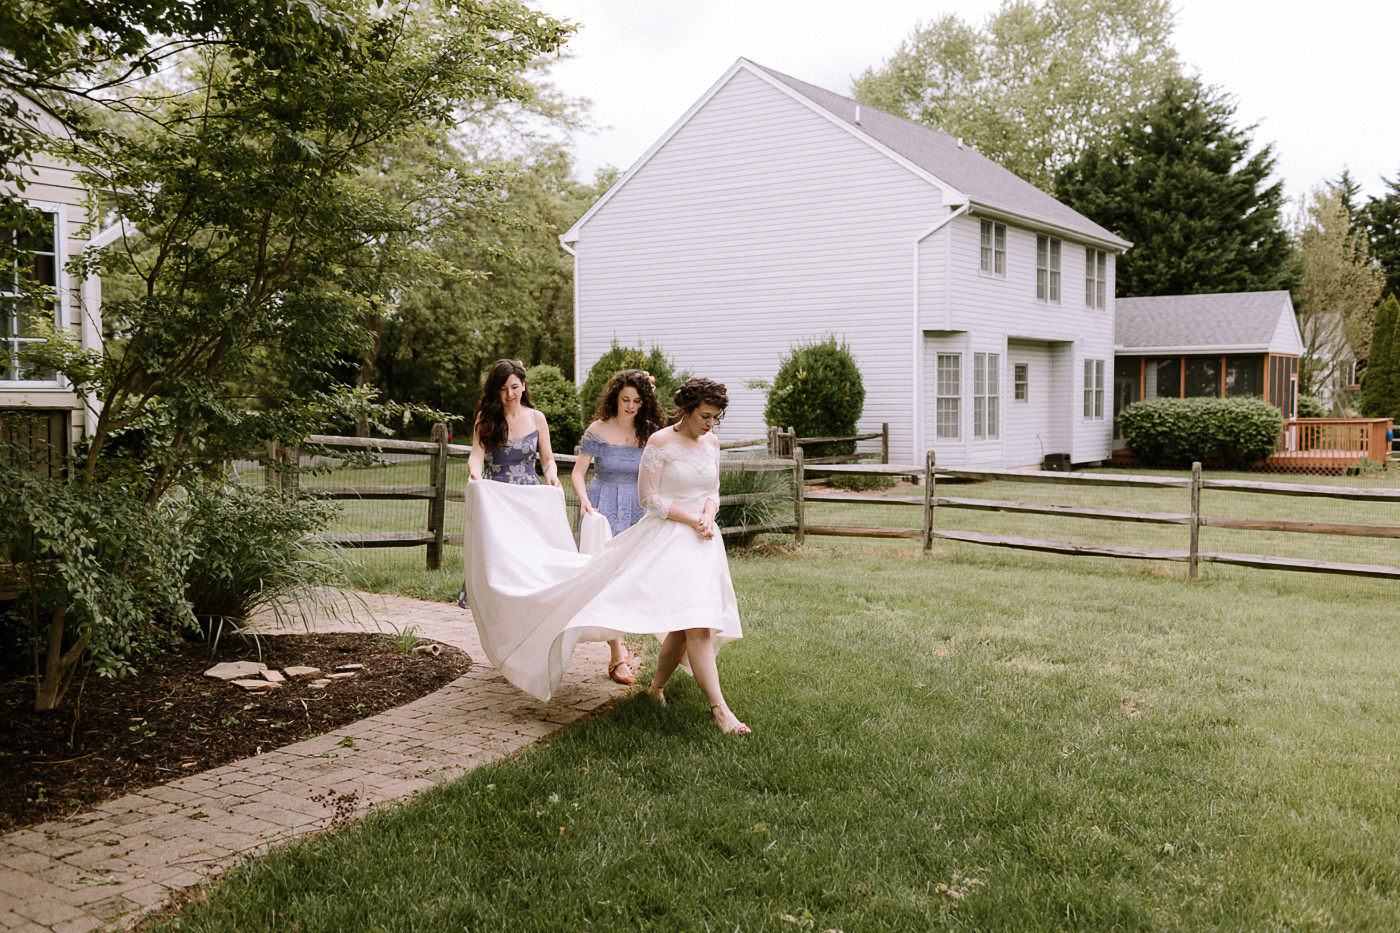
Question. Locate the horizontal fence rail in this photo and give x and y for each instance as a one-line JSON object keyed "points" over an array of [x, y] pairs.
{"points": [[435, 492]]}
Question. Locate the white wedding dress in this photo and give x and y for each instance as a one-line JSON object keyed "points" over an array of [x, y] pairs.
{"points": [[533, 596]]}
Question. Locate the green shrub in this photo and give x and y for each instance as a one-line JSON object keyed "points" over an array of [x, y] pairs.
{"points": [[1309, 407], [818, 392], [254, 550], [619, 358], [851, 483], [555, 396], [99, 575], [1238, 432]]}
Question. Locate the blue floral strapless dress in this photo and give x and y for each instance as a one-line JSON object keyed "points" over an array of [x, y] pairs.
{"points": [[514, 461], [614, 487]]}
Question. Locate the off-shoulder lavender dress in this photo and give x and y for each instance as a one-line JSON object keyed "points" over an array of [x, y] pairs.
{"points": [[614, 488]]}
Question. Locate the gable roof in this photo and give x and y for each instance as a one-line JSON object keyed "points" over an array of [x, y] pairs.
{"points": [[984, 182], [1239, 321], [965, 175]]}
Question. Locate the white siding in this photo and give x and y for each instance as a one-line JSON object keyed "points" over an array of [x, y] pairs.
{"points": [[758, 225], [1030, 429], [1287, 338]]}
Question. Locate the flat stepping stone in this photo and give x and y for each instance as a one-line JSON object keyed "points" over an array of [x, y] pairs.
{"points": [[272, 676], [256, 686], [342, 675], [301, 671], [231, 670], [349, 667]]}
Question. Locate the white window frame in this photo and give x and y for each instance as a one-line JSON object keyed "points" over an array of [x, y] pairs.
{"points": [[1094, 374], [1095, 278], [9, 346], [993, 251], [1047, 268], [1021, 378], [986, 395], [948, 387]]}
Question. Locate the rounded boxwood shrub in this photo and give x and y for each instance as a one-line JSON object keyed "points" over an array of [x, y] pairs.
{"points": [[555, 396], [1237, 432], [818, 392], [619, 358]]}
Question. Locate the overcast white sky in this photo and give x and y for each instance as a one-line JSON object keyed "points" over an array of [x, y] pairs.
{"points": [[1319, 78]]}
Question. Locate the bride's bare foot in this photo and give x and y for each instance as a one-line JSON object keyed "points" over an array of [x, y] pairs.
{"points": [[728, 723], [657, 694]]}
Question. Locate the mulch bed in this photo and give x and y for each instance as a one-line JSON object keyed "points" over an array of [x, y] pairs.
{"points": [[117, 737]]}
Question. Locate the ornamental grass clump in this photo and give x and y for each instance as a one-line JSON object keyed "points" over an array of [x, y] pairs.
{"points": [[771, 501], [1236, 432], [818, 392]]}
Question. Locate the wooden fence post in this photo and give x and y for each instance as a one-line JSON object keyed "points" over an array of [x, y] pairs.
{"points": [[772, 442], [928, 503], [1195, 559], [799, 534], [885, 442], [291, 457], [437, 505], [273, 454]]}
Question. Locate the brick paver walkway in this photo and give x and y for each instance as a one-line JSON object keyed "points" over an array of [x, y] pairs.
{"points": [[107, 866]]}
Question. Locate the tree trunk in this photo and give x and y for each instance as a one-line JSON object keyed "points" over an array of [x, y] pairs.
{"points": [[59, 665], [366, 374]]}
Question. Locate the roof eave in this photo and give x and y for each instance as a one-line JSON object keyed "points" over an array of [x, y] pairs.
{"points": [[1181, 350], [996, 212]]}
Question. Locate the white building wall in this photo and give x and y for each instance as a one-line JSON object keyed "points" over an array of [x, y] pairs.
{"points": [[999, 309], [757, 225]]}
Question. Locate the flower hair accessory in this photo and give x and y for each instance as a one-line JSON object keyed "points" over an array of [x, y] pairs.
{"points": [[650, 377]]}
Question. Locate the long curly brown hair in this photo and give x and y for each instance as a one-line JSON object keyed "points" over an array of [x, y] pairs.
{"points": [[696, 392], [650, 418], [490, 417]]}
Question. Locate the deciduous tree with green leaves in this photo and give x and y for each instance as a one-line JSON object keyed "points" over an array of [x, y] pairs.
{"points": [[1037, 84], [1178, 179], [257, 245], [1338, 286]]}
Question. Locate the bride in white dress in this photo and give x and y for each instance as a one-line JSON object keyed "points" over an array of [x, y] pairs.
{"points": [[533, 596]]}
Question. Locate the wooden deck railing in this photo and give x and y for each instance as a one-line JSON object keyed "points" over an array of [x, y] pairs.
{"points": [[1334, 438]]}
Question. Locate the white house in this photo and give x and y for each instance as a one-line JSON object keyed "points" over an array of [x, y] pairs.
{"points": [[979, 308], [52, 187]]}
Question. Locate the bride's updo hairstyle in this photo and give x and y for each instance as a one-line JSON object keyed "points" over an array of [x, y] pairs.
{"points": [[650, 418], [699, 391]]}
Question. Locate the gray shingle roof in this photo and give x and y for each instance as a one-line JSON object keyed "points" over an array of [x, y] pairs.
{"points": [[939, 154], [1233, 319]]}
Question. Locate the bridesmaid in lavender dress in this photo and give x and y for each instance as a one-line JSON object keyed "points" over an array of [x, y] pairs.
{"points": [[628, 413]]}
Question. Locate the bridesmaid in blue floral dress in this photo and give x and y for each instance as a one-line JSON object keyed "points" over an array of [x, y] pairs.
{"points": [[509, 435], [628, 413]]}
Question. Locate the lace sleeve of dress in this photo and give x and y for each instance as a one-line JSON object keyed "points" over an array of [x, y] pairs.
{"points": [[591, 445], [713, 494], [649, 482]]}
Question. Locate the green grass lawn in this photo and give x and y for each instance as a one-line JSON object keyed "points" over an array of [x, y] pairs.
{"points": [[986, 740]]}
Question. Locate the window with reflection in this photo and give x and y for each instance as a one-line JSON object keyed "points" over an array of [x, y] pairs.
{"points": [[1202, 377], [1244, 375], [28, 295]]}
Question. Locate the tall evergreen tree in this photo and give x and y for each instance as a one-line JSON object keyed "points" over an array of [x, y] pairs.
{"points": [[1180, 182], [1380, 384], [1382, 219]]}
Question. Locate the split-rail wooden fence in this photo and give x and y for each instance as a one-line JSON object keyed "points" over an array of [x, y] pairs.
{"points": [[436, 493]]}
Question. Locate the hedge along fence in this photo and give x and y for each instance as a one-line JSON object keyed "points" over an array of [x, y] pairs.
{"points": [[1193, 519], [280, 472]]}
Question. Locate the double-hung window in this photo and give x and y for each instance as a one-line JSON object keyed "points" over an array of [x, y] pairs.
{"points": [[986, 379], [1047, 269], [1022, 378], [32, 261], [949, 412], [1093, 389], [994, 248], [1095, 278]]}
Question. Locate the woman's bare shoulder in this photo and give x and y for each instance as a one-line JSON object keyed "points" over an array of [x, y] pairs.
{"points": [[541, 422], [663, 437]]}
